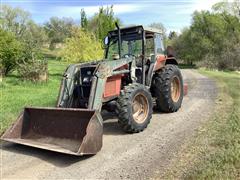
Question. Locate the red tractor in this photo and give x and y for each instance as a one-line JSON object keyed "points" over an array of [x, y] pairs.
{"points": [[135, 72]]}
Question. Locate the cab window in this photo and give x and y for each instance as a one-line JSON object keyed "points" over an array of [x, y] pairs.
{"points": [[159, 44]]}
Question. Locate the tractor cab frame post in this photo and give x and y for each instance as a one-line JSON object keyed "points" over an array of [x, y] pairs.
{"points": [[119, 40]]}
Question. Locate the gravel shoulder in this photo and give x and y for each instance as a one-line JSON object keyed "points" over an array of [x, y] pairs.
{"points": [[134, 156]]}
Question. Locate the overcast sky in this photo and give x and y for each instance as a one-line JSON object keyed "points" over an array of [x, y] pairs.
{"points": [[174, 14]]}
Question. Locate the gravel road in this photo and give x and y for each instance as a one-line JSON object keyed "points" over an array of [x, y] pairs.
{"points": [[134, 156]]}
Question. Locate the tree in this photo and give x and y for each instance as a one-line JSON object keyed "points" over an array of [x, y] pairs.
{"points": [[10, 52], [232, 7], [82, 47], [213, 38], [19, 23], [183, 45], [84, 21], [58, 30], [172, 35], [102, 22], [32, 41], [35, 35], [14, 20], [20, 42], [159, 26]]}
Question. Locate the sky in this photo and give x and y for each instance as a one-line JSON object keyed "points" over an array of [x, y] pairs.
{"points": [[173, 14]]}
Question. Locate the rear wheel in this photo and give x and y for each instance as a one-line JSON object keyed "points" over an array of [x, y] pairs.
{"points": [[134, 108], [168, 88]]}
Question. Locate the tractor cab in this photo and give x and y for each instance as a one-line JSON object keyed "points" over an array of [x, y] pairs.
{"points": [[143, 44], [137, 41]]}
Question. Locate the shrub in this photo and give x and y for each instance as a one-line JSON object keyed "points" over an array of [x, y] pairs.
{"points": [[229, 59], [10, 52], [33, 70], [209, 61], [82, 47]]}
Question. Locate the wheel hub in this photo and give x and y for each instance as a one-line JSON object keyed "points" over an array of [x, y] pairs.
{"points": [[140, 108], [175, 89]]}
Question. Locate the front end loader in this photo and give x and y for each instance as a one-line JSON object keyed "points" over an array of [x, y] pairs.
{"points": [[136, 71]]}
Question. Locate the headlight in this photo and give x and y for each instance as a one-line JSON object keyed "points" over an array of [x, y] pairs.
{"points": [[87, 79]]}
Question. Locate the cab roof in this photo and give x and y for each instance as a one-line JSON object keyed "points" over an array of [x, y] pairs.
{"points": [[134, 32], [145, 28]]}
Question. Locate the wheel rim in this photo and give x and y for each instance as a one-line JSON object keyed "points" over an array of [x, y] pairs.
{"points": [[175, 89], [140, 108]]}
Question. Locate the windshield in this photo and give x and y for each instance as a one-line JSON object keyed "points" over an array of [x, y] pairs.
{"points": [[128, 48]]}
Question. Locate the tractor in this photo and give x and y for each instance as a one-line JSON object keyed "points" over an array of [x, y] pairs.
{"points": [[135, 73]]}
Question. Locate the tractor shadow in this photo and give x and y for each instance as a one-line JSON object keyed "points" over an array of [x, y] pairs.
{"points": [[55, 158], [111, 125]]}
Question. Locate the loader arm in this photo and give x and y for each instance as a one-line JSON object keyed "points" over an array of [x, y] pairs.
{"points": [[103, 70], [67, 129]]}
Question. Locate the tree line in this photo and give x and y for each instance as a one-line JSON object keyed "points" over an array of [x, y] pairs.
{"points": [[213, 38], [22, 40]]}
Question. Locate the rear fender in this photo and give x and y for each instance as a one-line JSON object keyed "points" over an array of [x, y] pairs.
{"points": [[171, 60], [161, 61]]}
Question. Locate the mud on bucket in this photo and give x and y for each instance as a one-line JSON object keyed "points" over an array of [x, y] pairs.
{"points": [[65, 130]]}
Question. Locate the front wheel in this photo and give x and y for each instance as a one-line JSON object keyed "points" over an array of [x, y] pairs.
{"points": [[168, 88], [134, 108]]}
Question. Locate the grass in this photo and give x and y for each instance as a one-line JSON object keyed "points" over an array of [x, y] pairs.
{"points": [[187, 66], [215, 151], [15, 94], [222, 155], [53, 54]]}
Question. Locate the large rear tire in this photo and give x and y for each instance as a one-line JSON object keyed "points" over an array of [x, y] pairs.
{"points": [[167, 87], [134, 108]]}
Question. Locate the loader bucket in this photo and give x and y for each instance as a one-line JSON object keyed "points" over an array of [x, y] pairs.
{"points": [[65, 130]]}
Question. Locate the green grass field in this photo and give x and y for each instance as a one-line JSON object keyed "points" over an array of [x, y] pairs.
{"points": [[220, 141], [15, 94]]}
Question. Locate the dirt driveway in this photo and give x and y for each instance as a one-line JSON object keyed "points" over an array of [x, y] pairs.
{"points": [[134, 156]]}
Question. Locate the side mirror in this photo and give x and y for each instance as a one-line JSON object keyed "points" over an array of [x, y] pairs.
{"points": [[106, 40]]}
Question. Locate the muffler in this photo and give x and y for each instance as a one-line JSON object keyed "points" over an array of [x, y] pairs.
{"points": [[66, 130]]}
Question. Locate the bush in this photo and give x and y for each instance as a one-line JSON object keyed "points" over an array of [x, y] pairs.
{"points": [[33, 70], [229, 59], [82, 47], [10, 52]]}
